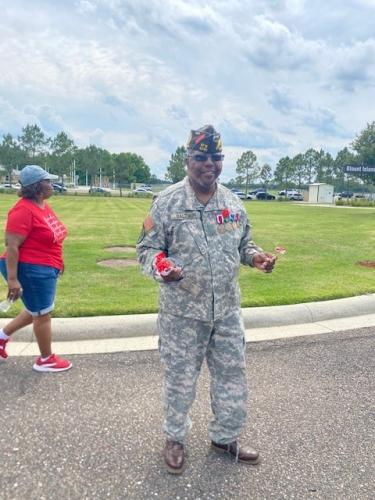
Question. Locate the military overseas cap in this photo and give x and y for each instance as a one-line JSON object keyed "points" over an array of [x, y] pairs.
{"points": [[33, 173], [206, 140]]}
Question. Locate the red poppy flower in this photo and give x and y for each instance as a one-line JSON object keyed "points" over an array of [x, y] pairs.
{"points": [[160, 256], [162, 264]]}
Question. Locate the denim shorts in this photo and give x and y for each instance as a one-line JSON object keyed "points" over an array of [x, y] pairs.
{"points": [[38, 285]]}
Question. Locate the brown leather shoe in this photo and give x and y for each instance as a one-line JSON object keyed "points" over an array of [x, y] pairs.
{"points": [[174, 456], [240, 453]]}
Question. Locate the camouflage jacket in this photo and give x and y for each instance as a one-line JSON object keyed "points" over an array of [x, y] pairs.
{"points": [[208, 241]]}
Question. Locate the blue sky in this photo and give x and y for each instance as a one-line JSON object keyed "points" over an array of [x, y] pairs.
{"points": [[276, 76]]}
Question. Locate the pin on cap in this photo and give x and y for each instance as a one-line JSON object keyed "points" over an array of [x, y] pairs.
{"points": [[205, 139]]}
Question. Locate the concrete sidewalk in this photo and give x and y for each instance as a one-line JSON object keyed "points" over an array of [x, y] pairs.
{"points": [[101, 334]]}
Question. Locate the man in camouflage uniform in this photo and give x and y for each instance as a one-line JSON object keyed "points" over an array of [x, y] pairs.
{"points": [[203, 229]]}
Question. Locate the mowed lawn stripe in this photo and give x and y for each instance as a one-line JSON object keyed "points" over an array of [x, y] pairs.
{"points": [[323, 247]]}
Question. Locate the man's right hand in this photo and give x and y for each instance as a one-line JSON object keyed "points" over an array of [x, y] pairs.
{"points": [[174, 275]]}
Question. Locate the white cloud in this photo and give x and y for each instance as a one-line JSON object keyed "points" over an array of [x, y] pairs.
{"points": [[11, 118], [137, 75], [84, 6], [354, 66], [272, 46], [367, 3]]}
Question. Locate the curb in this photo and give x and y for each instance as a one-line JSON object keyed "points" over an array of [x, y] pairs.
{"points": [[144, 325], [142, 343]]}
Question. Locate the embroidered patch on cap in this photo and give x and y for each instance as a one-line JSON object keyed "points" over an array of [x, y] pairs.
{"points": [[205, 139]]}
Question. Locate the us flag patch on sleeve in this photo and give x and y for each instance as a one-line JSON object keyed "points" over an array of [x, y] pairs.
{"points": [[148, 224]]}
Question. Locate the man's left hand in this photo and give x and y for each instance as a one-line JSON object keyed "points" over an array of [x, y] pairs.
{"points": [[264, 261]]}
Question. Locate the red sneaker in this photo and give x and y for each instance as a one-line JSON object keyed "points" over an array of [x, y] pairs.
{"points": [[52, 364], [3, 353]]}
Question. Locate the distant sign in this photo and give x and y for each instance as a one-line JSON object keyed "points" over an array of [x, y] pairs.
{"points": [[359, 169]]}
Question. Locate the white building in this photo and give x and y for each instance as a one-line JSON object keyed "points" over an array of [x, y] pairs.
{"points": [[320, 193]]}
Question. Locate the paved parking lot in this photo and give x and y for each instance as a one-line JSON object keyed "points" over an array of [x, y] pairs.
{"points": [[94, 432]]}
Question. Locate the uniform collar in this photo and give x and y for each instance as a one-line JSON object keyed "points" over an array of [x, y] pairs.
{"points": [[218, 201]]}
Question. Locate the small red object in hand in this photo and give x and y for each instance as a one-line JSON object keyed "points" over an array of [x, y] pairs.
{"points": [[280, 249], [162, 264]]}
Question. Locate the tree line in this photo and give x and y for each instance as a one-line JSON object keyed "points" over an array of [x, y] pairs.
{"points": [[299, 171], [60, 155]]}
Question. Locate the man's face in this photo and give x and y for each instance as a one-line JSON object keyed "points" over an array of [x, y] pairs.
{"points": [[203, 170]]}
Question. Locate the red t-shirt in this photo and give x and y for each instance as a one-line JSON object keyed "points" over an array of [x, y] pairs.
{"points": [[43, 230]]}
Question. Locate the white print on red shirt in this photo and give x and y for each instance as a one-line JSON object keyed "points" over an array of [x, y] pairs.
{"points": [[58, 229]]}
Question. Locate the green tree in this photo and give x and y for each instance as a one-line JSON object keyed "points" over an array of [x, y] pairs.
{"points": [[343, 158], [10, 155], [311, 159], [176, 168], [324, 167], [141, 171], [61, 155], [299, 169], [265, 174], [91, 161], [128, 168], [247, 168], [33, 142], [364, 145], [329, 168], [284, 172], [122, 169]]}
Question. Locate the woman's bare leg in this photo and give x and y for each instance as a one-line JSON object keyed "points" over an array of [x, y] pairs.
{"points": [[21, 320], [43, 334]]}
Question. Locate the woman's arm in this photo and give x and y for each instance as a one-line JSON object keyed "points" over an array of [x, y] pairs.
{"points": [[13, 242]]}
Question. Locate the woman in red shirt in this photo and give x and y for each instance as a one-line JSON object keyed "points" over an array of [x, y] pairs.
{"points": [[32, 263]]}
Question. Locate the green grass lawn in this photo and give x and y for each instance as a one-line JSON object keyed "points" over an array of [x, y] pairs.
{"points": [[323, 248]]}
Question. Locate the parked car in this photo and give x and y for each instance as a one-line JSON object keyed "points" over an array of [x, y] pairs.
{"points": [[240, 194], [99, 190], [346, 194], [263, 195], [288, 192], [142, 190], [256, 191], [250, 196], [295, 197], [59, 188], [7, 185]]}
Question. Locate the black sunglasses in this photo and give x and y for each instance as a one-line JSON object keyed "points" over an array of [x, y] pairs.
{"points": [[202, 157]]}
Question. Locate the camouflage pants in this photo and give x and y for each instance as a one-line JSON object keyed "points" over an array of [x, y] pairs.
{"points": [[183, 345]]}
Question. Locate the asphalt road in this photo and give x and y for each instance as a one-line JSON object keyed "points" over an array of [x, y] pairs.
{"points": [[94, 432]]}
